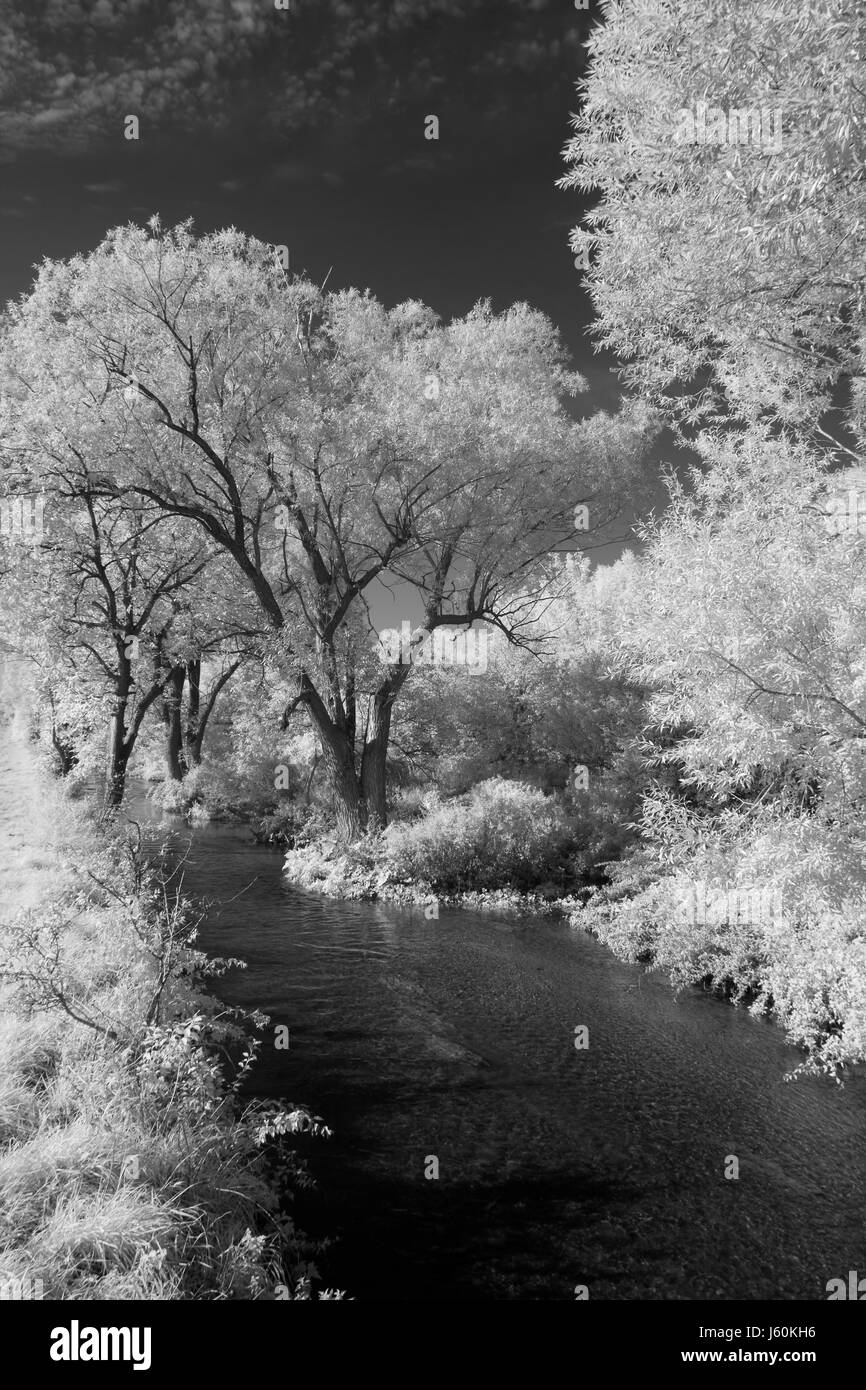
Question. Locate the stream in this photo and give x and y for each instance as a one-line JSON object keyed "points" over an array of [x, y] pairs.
{"points": [[454, 1040]]}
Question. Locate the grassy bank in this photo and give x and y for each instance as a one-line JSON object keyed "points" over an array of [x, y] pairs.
{"points": [[128, 1167]]}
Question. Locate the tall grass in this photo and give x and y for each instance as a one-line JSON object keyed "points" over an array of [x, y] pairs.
{"points": [[129, 1169]]}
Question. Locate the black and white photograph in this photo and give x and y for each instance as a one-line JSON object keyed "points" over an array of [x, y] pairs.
{"points": [[432, 671]]}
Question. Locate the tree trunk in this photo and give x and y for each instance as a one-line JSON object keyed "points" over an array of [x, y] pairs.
{"points": [[122, 739], [340, 764], [373, 759], [65, 749], [359, 801], [317, 758], [201, 720], [119, 745], [347, 799], [375, 755], [172, 699], [118, 757], [194, 732], [338, 752]]}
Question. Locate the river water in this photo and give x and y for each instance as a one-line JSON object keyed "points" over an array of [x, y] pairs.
{"points": [[454, 1040]]}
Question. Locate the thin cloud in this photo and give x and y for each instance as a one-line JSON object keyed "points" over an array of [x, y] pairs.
{"points": [[75, 71]]}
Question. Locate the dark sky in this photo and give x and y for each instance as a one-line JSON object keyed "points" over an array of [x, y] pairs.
{"points": [[306, 127]]}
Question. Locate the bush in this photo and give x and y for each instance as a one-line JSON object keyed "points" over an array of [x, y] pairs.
{"points": [[502, 833], [798, 952], [206, 793], [292, 824], [356, 871]]}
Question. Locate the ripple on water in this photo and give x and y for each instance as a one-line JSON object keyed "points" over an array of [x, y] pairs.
{"points": [[455, 1039]]}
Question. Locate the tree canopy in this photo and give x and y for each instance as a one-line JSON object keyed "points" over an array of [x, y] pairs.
{"points": [[324, 445], [725, 146]]}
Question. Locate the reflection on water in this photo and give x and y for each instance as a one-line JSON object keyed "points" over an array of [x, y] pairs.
{"points": [[454, 1039]]}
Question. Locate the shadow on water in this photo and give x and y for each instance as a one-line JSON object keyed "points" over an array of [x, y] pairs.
{"points": [[472, 1241]]}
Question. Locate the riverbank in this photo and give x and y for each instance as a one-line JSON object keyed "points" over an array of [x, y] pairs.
{"points": [[128, 1168], [357, 877]]}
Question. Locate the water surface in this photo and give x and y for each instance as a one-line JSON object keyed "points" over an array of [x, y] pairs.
{"points": [[454, 1040]]}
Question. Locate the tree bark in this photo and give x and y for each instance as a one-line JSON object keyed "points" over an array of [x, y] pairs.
{"points": [[119, 744], [317, 758], [66, 751], [194, 732], [118, 757], [347, 795], [122, 740], [172, 698], [338, 752], [201, 720], [374, 757], [373, 785]]}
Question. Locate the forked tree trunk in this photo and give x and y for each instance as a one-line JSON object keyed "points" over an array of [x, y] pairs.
{"points": [[339, 758], [198, 718], [359, 800], [374, 758]]}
